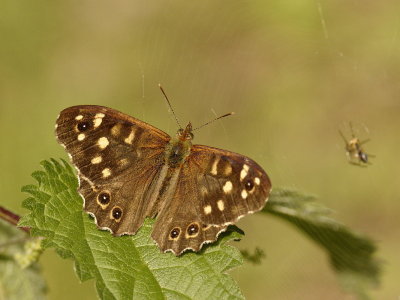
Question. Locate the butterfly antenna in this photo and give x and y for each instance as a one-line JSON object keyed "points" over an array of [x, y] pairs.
{"points": [[220, 117], [169, 104]]}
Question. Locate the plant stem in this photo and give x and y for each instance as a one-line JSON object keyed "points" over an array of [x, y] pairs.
{"points": [[11, 218]]}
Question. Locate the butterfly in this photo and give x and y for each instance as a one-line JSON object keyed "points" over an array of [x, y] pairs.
{"points": [[129, 170]]}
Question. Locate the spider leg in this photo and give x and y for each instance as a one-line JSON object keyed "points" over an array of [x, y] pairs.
{"points": [[344, 138], [358, 164], [364, 141], [352, 130]]}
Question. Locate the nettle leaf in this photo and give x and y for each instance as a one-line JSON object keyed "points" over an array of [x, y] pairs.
{"points": [[351, 255], [127, 267], [17, 282]]}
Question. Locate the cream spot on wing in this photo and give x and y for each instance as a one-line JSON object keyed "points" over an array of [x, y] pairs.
{"points": [[244, 172], [221, 205], [102, 205], [106, 172], [244, 194], [227, 187], [100, 115], [131, 136], [97, 122], [116, 129], [257, 180], [79, 117], [214, 168], [81, 137], [103, 142], [228, 170], [123, 162], [96, 160], [207, 209]]}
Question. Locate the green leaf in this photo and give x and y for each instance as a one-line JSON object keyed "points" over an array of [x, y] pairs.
{"points": [[351, 255], [127, 267], [17, 282]]}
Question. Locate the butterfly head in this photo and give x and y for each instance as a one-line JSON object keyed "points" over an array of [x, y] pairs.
{"points": [[185, 134]]}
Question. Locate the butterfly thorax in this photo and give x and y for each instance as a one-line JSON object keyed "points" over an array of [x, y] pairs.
{"points": [[179, 147]]}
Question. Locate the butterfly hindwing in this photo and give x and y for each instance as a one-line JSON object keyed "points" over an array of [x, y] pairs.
{"points": [[179, 226], [214, 189], [119, 160]]}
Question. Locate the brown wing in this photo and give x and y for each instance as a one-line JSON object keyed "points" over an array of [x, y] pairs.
{"points": [[230, 185], [179, 226], [214, 189], [119, 161]]}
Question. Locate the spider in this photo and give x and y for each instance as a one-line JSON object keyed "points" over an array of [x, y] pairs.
{"points": [[355, 153]]}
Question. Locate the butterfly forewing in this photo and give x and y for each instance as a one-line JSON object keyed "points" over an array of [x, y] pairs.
{"points": [[119, 161]]}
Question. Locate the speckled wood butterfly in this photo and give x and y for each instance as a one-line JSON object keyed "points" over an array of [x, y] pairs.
{"points": [[129, 170]]}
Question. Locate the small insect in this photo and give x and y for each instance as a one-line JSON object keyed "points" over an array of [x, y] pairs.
{"points": [[355, 153]]}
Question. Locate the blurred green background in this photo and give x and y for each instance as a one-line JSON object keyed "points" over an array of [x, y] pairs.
{"points": [[294, 72]]}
